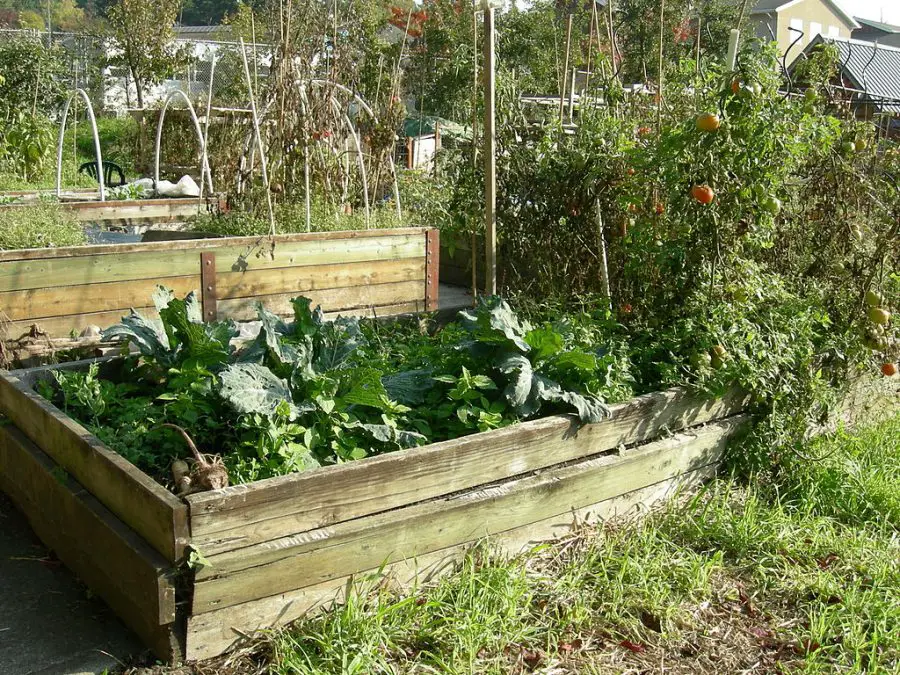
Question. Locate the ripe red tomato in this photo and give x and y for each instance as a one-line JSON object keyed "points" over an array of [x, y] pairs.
{"points": [[703, 194], [660, 208], [629, 171], [889, 369]]}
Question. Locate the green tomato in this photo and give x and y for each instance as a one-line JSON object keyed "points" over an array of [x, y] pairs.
{"points": [[848, 147], [874, 299], [772, 205], [811, 95], [701, 360]]}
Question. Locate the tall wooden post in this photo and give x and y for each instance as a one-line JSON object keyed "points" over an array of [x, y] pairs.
{"points": [[490, 154]]}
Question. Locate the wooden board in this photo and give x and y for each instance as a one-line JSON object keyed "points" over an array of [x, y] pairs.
{"points": [[350, 547], [257, 283], [333, 299], [41, 303], [135, 498], [128, 262], [243, 515], [163, 246], [219, 631], [108, 556]]}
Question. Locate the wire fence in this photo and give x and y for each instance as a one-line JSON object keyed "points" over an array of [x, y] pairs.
{"points": [[207, 64]]}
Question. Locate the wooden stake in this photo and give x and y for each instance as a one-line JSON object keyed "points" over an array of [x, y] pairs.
{"points": [[659, 89], [473, 254], [490, 155], [604, 270], [262, 151], [565, 71]]}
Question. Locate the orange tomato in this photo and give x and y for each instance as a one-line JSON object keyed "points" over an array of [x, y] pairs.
{"points": [[708, 122], [703, 194], [889, 369]]}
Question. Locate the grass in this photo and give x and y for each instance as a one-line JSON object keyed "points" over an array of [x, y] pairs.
{"points": [[793, 572], [38, 225], [291, 217]]}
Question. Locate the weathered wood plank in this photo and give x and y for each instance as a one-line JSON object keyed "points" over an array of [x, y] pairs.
{"points": [[62, 326], [350, 547], [333, 299], [279, 281], [108, 556], [183, 260], [240, 242], [139, 501], [243, 515], [216, 632], [41, 303], [159, 211]]}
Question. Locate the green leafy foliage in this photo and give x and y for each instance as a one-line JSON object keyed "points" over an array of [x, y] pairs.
{"points": [[310, 392], [40, 225]]}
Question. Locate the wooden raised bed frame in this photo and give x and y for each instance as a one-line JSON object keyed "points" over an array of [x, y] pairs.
{"points": [[133, 211], [368, 272], [283, 546]]}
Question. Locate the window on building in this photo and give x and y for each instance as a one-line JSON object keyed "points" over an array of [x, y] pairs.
{"points": [[796, 24], [814, 29], [834, 31]]}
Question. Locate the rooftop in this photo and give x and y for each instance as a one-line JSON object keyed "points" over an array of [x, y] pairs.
{"points": [[872, 68], [770, 6]]}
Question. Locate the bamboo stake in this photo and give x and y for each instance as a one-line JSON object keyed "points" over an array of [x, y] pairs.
{"points": [[699, 27], [612, 35], [490, 154], [595, 25], [262, 150], [565, 71], [604, 265], [209, 98], [659, 92], [474, 243]]}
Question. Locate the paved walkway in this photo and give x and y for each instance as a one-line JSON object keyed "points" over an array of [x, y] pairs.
{"points": [[49, 625]]}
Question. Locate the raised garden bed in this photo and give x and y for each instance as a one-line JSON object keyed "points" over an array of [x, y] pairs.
{"points": [[65, 290], [279, 547], [132, 213]]}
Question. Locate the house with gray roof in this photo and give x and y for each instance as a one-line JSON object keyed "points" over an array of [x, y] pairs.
{"points": [[876, 31], [868, 73], [793, 24]]}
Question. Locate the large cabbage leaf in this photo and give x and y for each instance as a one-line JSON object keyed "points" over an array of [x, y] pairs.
{"points": [[252, 388]]}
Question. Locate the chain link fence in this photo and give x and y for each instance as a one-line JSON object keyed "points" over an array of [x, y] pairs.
{"points": [[111, 88]]}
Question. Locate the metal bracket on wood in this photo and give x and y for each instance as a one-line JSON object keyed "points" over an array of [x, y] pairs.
{"points": [[208, 286], [432, 270]]}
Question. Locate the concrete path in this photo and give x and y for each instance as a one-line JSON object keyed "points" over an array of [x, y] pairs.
{"points": [[49, 625]]}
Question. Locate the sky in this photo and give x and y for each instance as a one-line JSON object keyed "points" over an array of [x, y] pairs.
{"points": [[878, 10]]}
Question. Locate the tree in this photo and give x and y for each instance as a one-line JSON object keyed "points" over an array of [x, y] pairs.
{"points": [[143, 39]]}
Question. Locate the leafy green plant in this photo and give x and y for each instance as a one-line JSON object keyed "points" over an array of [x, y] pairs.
{"points": [[310, 392]]}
